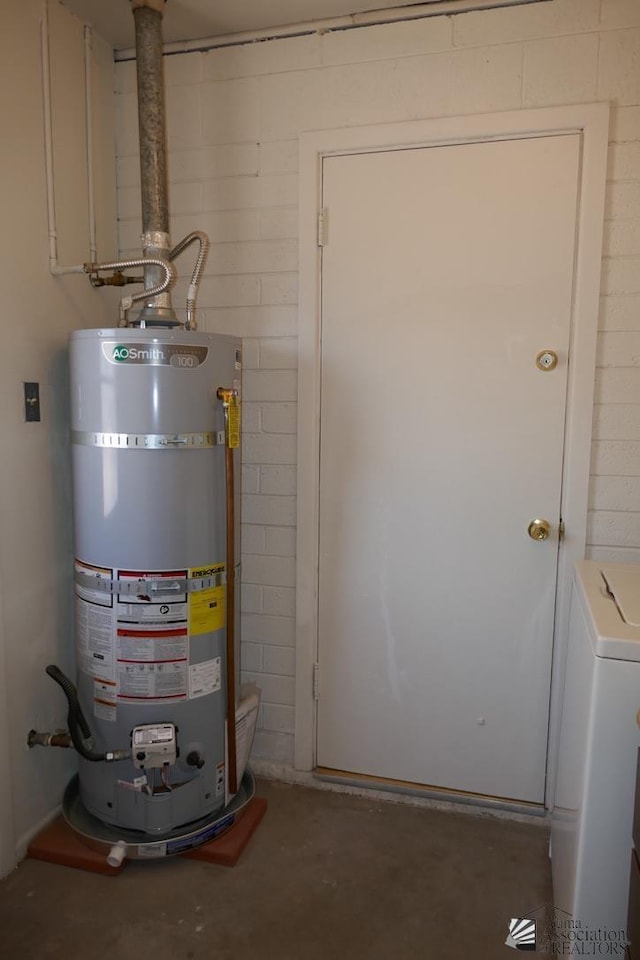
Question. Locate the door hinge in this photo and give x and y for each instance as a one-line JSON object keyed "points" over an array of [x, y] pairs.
{"points": [[316, 681], [322, 227], [561, 530]]}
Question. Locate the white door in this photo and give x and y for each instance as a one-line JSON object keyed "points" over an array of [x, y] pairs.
{"points": [[445, 272]]}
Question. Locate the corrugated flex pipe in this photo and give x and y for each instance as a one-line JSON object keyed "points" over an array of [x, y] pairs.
{"points": [[203, 253], [127, 302]]}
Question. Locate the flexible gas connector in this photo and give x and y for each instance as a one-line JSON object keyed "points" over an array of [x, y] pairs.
{"points": [[79, 729], [127, 302], [198, 269]]}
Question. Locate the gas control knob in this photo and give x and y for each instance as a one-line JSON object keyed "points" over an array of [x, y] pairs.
{"points": [[194, 759]]}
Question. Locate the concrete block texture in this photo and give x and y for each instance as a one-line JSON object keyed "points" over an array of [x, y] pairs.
{"points": [[279, 479], [280, 156], [258, 256], [619, 13], [617, 386], [485, 79], [281, 541], [275, 689], [279, 222], [273, 56], [273, 747], [223, 160], [616, 421], [615, 494], [252, 538], [279, 417], [621, 276], [622, 239], [615, 458], [624, 161], [230, 111], [386, 42], [279, 660], [606, 528], [560, 70], [376, 92], [278, 320], [279, 601], [251, 598], [619, 67], [278, 717], [270, 385], [620, 312], [526, 22], [619, 349], [625, 123], [623, 200], [615, 554], [273, 510]]}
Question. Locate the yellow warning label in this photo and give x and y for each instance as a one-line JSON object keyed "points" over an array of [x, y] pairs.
{"points": [[234, 423], [207, 607]]}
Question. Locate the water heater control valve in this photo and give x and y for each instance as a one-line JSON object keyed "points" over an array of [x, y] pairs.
{"points": [[154, 745]]}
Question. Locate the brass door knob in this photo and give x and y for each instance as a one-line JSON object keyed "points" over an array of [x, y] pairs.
{"points": [[547, 360], [539, 529]]}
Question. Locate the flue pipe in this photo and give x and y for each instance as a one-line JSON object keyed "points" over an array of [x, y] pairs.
{"points": [[156, 242]]}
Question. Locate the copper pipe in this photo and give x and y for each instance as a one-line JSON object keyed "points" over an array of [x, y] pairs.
{"points": [[226, 397]]}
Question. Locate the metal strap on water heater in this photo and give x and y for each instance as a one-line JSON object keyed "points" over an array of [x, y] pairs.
{"points": [[148, 441], [133, 588]]}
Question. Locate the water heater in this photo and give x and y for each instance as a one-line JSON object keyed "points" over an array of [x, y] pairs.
{"points": [[148, 441]]}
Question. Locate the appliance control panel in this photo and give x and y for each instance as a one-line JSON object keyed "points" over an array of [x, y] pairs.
{"points": [[154, 745]]}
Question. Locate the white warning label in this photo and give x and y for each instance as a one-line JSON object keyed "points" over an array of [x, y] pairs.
{"points": [[94, 639], [104, 700], [151, 850], [204, 678], [152, 681], [85, 591], [152, 646], [152, 664], [159, 598]]}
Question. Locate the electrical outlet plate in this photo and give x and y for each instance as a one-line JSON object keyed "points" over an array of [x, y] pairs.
{"points": [[31, 402]]}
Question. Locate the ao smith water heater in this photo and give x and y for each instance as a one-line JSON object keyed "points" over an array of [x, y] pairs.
{"points": [[148, 445], [155, 438]]}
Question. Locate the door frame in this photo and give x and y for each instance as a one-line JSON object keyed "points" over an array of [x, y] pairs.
{"points": [[591, 121]]}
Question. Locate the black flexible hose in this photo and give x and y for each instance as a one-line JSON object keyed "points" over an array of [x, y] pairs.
{"points": [[72, 697], [75, 717]]}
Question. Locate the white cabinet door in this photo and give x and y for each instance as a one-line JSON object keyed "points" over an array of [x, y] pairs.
{"points": [[446, 271]]}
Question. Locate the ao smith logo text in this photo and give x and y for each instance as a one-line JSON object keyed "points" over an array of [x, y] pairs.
{"points": [[185, 356], [133, 353]]}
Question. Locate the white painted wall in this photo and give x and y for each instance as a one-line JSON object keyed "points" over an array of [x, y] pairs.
{"points": [[234, 118], [38, 311]]}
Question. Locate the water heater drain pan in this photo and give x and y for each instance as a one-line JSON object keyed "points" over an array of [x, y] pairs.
{"points": [[102, 837]]}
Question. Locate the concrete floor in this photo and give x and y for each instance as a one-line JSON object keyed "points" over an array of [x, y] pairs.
{"points": [[326, 876]]}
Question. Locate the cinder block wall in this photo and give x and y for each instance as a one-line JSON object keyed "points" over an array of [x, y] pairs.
{"points": [[234, 118]]}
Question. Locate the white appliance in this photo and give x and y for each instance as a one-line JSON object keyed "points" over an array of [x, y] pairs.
{"points": [[594, 798]]}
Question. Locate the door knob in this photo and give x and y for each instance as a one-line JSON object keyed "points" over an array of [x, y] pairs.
{"points": [[539, 529], [547, 360]]}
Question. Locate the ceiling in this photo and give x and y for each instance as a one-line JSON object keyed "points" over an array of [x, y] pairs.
{"points": [[197, 19]]}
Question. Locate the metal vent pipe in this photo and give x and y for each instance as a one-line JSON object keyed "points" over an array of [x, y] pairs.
{"points": [[156, 243]]}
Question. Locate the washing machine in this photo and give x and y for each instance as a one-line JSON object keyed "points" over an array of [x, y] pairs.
{"points": [[599, 739]]}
